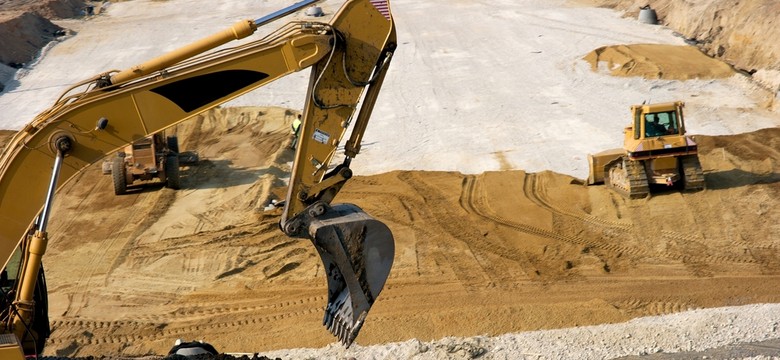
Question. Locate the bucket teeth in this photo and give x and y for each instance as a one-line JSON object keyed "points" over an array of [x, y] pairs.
{"points": [[357, 253], [339, 319]]}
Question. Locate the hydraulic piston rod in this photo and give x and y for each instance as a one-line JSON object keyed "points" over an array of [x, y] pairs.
{"points": [[238, 31], [63, 145], [36, 246], [284, 12]]}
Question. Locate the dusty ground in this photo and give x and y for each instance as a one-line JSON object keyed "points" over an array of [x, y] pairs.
{"points": [[26, 27], [739, 33], [477, 254]]}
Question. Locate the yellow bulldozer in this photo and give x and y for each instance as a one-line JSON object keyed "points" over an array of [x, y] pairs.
{"points": [[656, 152]]}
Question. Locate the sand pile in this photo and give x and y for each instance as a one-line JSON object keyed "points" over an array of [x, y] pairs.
{"points": [[740, 33], [488, 254], [26, 28], [23, 36], [654, 61], [479, 253]]}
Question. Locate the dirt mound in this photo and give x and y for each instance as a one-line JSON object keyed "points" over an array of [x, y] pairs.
{"points": [[23, 37], [50, 9], [5, 136], [741, 33], [483, 254], [654, 61], [26, 29]]}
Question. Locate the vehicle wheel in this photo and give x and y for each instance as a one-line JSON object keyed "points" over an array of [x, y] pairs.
{"points": [[173, 143], [106, 167], [190, 349], [173, 181], [119, 174]]}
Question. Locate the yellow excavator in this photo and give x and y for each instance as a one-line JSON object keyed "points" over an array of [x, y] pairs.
{"points": [[656, 151], [349, 57]]}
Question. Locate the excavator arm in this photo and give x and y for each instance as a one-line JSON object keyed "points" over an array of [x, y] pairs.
{"points": [[348, 57]]}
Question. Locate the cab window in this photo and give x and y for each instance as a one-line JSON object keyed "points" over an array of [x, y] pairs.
{"points": [[660, 124]]}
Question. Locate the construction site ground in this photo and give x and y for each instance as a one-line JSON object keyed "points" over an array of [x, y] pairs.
{"points": [[478, 253], [484, 254]]}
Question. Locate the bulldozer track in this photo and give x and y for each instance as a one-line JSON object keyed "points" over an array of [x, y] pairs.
{"points": [[627, 177], [464, 234], [72, 330], [475, 203], [536, 191], [692, 173], [158, 334], [653, 308]]}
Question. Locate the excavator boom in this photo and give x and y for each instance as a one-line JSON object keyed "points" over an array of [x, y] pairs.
{"points": [[348, 57]]}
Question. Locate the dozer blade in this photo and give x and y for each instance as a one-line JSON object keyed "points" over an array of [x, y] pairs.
{"points": [[357, 253]]}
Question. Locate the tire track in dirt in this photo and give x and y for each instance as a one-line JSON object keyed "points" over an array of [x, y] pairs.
{"points": [[101, 331], [159, 202], [473, 200], [715, 259], [690, 248], [646, 307], [184, 244], [462, 234], [102, 262], [535, 189], [476, 204]]}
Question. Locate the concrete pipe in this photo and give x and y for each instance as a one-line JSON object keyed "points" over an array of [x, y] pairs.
{"points": [[648, 16]]}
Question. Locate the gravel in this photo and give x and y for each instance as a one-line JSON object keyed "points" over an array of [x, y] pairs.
{"points": [[737, 332], [719, 333]]}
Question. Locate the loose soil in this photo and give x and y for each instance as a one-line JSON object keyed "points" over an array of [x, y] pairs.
{"points": [[476, 254], [26, 27], [654, 61], [482, 254]]}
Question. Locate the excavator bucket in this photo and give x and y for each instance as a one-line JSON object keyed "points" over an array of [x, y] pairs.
{"points": [[357, 254]]}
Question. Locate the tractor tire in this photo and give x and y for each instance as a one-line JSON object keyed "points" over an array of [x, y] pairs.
{"points": [[119, 175], [173, 143], [173, 180]]}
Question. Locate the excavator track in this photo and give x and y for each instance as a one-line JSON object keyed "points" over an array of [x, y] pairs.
{"points": [[693, 176], [627, 177]]}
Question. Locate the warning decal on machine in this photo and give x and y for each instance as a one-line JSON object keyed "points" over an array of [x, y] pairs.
{"points": [[321, 136]]}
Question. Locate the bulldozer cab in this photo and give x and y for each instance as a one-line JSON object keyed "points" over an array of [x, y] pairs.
{"points": [[660, 124], [651, 121]]}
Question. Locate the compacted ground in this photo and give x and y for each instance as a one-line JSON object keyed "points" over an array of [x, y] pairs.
{"points": [[481, 254], [476, 254]]}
